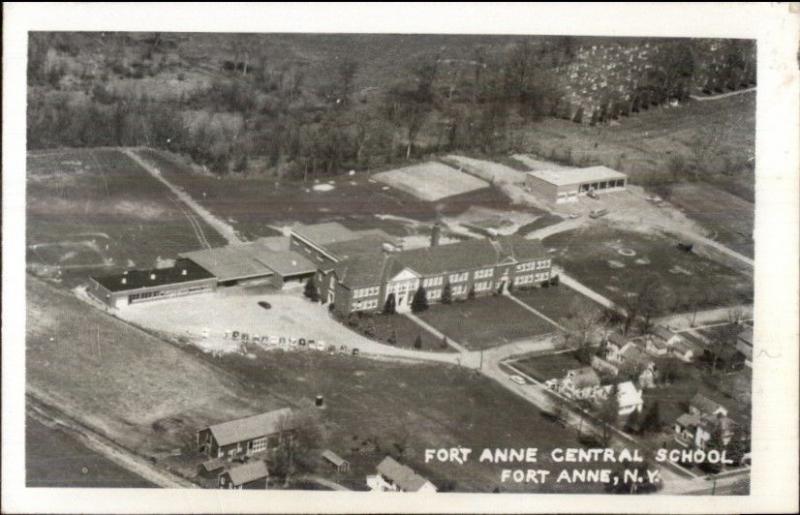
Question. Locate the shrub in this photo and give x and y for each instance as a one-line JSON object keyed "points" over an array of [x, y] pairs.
{"points": [[420, 301], [418, 342]]}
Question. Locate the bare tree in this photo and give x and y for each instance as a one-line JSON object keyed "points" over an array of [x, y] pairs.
{"points": [[302, 436], [581, 323]]}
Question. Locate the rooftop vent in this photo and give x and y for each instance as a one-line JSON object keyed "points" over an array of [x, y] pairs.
{"points": [[124, 280], [184, 272], [152, 277], [294, 262]]}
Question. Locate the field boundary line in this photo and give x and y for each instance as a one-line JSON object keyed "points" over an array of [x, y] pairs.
{"points": [[722, 95], [536, 312]]}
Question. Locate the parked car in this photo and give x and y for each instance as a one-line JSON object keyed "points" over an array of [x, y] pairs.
{"points": [[355, 352], [573, 216], [264, 304], [517, 379], [597, 213]]}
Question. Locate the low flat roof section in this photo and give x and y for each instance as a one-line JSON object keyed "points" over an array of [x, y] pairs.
{"points": [[182, 272], [567, 177], [285, 263], [230, 263]]}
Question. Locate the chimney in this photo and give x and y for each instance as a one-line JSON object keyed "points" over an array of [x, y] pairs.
{"points": [[319, 402], [436, 233]]}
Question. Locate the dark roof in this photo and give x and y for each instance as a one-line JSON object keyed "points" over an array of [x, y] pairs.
{"points": [[404, 477], [248, 428], [365, 270], [704, 404], [212, 465], [248, 472], [183, 271], [333, 457]]}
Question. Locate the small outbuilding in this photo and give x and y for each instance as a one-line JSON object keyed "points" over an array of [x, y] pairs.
{"points": [[339, 463], [250, 476]]}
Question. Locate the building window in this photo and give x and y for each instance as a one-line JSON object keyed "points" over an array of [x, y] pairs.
{"points": [[433, 281], [365, 292], [523, 279], [483, 285], [545, 263], [486, 272], [459, 278], [525, 267], [434, 294], [259, 444], [460, 289]]}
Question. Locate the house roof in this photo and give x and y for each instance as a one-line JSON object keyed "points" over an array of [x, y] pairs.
{"points": [[182, 272], [404, 477], [568, 176], [212, 465], [584, 377], [688, 420], [704, 404], [333, 457], [633, 353], [248, 428], [663, 332], [248, 472]]}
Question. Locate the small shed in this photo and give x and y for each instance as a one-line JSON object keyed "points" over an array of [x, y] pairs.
{"points": [[251, 476], [341, 464], [211, 468]]}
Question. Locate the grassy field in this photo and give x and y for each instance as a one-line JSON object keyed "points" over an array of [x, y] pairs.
{"points": [[485, 322], [643, 144], [731, 218], [257, 206], [549, 366], [54, 459], [594, 256], [151, 396], [382, 327], [556, 302], [94, 209]]}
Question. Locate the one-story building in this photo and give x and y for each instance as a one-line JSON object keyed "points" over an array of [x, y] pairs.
{"points": [[395, 477], [246, 436], [250, 476], [566, 185], [135, 286]]}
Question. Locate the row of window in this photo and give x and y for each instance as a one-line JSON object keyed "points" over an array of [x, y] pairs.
{"points": [[359, 305], [433, 281], [533, 265], [482, 285], [482, 274], [459, 278], [366, 292], [603, 185], [434, 294]]}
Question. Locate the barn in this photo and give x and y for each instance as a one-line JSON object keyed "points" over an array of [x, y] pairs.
{"points": [[246, 436], [566, 185]]}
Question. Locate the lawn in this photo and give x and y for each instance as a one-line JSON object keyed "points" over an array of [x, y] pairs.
{"points": [[485, 322], [257, 206], [405, 331], [614, 262], [730, 218], [91, 210], [548, 366], [555, 302], [130, 381]]}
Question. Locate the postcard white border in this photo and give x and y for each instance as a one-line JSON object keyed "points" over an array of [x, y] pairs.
{"points": [[775, 432]]}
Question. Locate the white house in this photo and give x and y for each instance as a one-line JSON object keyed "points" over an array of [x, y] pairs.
{"points": [[394, 477], [629, 398]]}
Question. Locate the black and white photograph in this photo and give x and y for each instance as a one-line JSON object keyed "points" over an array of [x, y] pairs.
{"points": [[392, 261]]}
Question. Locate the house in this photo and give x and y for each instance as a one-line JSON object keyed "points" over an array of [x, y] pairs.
{"points": [[603, 367], [362, 271], [700, 404], [684, 351], [568, 184], [665, 335], [656, 347], [696, 429], [579, 383], [394, 477], [339, 463], [250, 476], [744, 344], [629, 357], [246, 436], [629, 398]]}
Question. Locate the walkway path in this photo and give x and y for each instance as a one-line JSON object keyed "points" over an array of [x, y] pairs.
{"points": [[224, 229], [536, 312], [721, 95], [588, 292], [425, 325]]}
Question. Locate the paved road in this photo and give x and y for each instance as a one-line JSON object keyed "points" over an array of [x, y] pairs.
{"points": [[224, 229], [721, 95], [683, 321]]}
